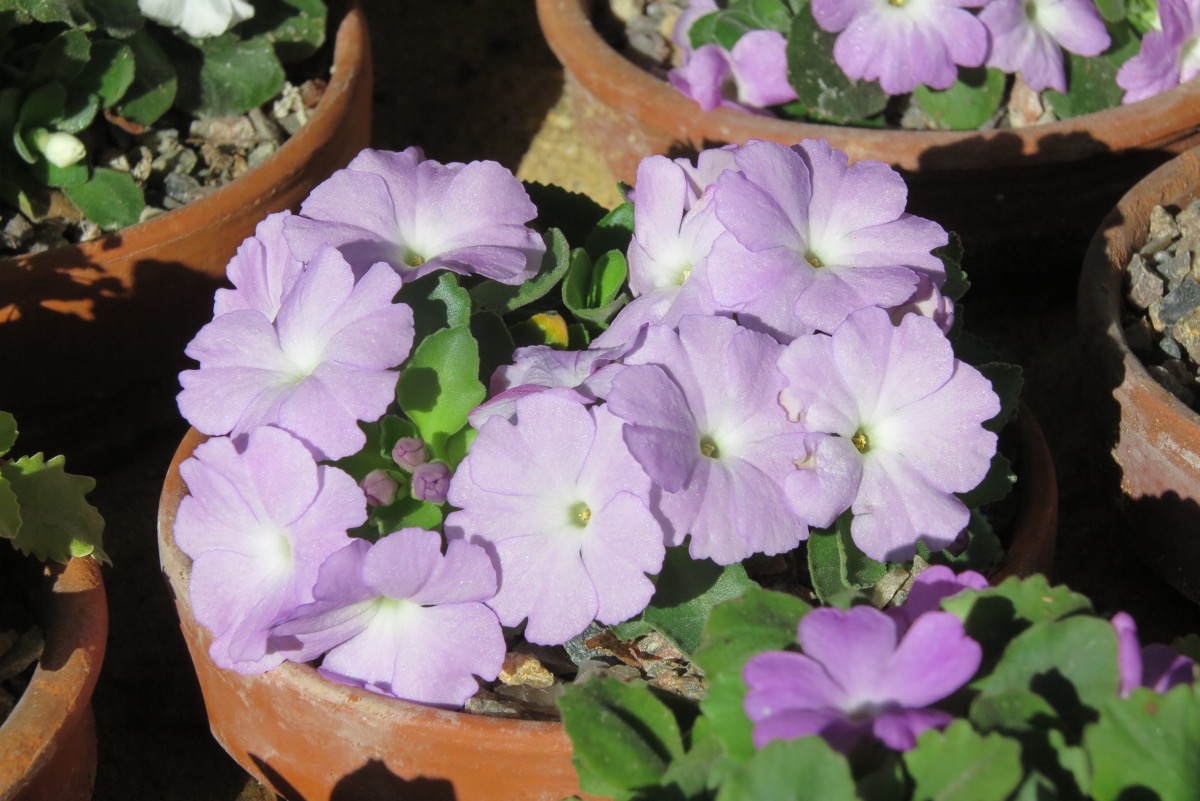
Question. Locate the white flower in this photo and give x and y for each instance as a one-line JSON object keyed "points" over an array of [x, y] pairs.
{"points": [[198, 18]]}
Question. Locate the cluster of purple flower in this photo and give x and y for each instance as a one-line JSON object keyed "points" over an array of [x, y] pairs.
{"points": [[904, 44], [784, 361]]}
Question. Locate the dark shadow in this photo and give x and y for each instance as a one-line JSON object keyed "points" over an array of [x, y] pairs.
{"points": [[372, 782]]}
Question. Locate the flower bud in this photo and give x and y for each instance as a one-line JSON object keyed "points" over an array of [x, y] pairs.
{"points": [[60, 149], [409, 452], [380, 488], [431, 482]]}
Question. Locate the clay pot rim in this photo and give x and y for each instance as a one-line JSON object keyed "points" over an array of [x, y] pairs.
{"points": [[567, 27], [1100, 298], [334, 107], [74, 614], [1035, 523]]}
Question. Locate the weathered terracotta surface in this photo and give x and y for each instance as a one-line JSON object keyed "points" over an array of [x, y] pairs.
{"points": [[111, 312], [313, 739], [48, 743], [1001, 183], [1157, 437]]}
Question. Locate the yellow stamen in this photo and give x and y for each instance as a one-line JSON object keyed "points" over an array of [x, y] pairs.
{"points": [[812, 258], [708, 447], [859, 441]]}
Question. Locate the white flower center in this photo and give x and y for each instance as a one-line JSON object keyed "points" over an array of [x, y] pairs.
{"points": [[578, 514]]}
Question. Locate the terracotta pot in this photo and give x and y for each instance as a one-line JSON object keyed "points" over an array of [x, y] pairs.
{"points": [[48, 742], [1000, 184], [1157, 437], [308, 738], [117, 311]]}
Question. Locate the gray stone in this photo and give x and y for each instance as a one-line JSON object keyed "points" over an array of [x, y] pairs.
{"points": [[1176, 303], [1162, 224], [1145, 287], [1188, 220], [182, 188], [627, 10], [1168, 345], [580, 653], [1187, 333], [260, 154], [1174, 266], [16, 233]]}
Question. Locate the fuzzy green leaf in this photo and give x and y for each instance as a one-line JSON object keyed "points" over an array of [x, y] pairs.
{"points": [[804, 769], [110, 198], [231, 75], [63, 57], [1147, 744], [837, 565], [623, 736], [57, 522], [824, 91], [994, 616], [496, 344], [1092, 82], [502, 298], [592, 291], [960, 764], [968, 103], [295, 27], [8, 432], [613, 232], [573, 213], [760, 620], [951, 255], [109, 73], [155, 83], [1111, 10], [440, 385], [437, 302]]}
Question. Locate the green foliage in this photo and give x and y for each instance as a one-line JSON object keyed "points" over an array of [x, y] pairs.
{"points": [[502, 298], [968, 103], [109, 198], [792, 770], [962, 764], [1092, 82], [440, 384], [825, 93], [836, 565], [43, 510], [592, 291]]}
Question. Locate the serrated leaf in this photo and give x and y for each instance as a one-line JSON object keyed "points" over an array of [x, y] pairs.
{"points": [[951, 255], [960, 764], [822, 89], [968, 103], [622, 736], [502, 298], [8, 432], [804, 769], [760, 620], [613, 232], [1007, 380], [110, 198], [155, 83], [685, 593], [836, 564], [440, 385], [1146, 743], [10, 511], [57, 522]]}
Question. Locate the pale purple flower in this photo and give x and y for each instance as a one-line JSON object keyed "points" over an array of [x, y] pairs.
{"points": [[580, 375], [420, 216], [683, 24], [904, 43], [1168, 57], [262, 271], [753, 75], [926, 301], [431, 481], [318, 369], [905, 413], [257, 525], [931, 586], [408, 452], [811, 238], [861, 674], [1156, 666], [702, 418], [564, 509], [1028, 37], [400, 618], [379, 487]]}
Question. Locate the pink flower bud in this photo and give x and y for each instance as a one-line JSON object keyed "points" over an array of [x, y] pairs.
{"points": [[431, 482], [380, 488], [409, 452]]}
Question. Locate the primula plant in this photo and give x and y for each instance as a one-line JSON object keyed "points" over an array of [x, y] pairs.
{"points": [[76, 75], [452, 417], [957, 64], [1020, 691]]}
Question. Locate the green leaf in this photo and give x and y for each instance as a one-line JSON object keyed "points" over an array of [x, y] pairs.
{"points": [[703, 30], [804, 769], [732, 25], [613, 232], [8, 432], [968, 103], [836, 564], [407, 512], [437, 302], [1072, 663], [824, 91], [223, 75], [690, 775], [110, 198], [951, 255], [109, 74], [770, 14], [120, 18], [10, 511], [295, 27], [685, 593], [592, 292], [760, 620], [1012, 711], [983, 552], [155, 83], [1092, 82], [622, 736], [373, 455], [502, 298], [1007, 380], [573, 213], [1146, 743], [961, 765], [997, 483], [440, 385], [42, 108], [57, 522], [62, 58], [495, 343], [70, 12], [458, 445], [1111, 10]]}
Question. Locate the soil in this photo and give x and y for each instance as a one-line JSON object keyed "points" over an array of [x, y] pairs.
{"points": [[472, 79]]}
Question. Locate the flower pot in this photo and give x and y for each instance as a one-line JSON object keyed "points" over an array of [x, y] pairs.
{"points": [[998, 185], [313, 739], [1157, 437], [49, 741], [117, 311]]}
